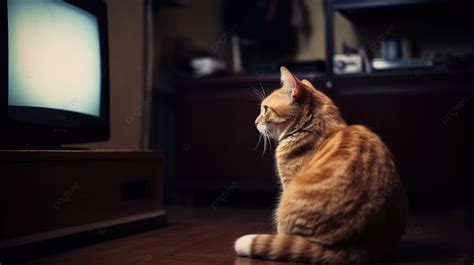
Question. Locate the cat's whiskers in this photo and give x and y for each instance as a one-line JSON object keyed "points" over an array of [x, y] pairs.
{"points": [[269, 137], [263, 90], [265, 132], [258, 142], [255, 97], [264, 144], [261, 96], [262, 134]]}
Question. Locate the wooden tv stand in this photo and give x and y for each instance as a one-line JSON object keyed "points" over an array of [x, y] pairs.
{"points": [[52, 194]]}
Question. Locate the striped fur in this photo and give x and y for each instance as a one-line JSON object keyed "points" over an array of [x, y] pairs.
{"points": [[300, 249], [342, 200]]}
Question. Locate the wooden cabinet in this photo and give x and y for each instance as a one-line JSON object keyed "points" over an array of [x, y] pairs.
{"points": [[46, 195], [426, 120], [427, 123]]}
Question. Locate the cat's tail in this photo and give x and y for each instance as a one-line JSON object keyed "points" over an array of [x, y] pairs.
{"points": [[296, 249]]}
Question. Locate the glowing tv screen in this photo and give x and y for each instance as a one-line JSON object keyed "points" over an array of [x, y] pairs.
{"points": [[54, 73], [53, 56]]}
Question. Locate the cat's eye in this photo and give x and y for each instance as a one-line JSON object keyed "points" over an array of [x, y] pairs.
{"points": [[265, 109]]}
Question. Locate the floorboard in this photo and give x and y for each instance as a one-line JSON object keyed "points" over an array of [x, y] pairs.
{"points": [[206, 235]]}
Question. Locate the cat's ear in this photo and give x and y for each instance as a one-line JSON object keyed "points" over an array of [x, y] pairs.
{"points": [[290, 82]]}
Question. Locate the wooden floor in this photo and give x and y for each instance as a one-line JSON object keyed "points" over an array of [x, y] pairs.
{"points": [[206, 236]]}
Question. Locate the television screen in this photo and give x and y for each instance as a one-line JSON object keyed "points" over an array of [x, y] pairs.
{"points": [[54, 57]]}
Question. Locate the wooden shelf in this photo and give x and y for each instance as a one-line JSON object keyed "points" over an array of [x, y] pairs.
{"points": [[241, 80], [358, 4], [390, 12], [406, 82], [446, 73], [74, 191], [66, 155]]}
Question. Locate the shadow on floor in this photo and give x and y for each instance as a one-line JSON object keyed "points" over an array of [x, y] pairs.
{"points": [[412, 251]]}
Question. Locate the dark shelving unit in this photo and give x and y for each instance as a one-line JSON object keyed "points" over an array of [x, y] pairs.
{"points": [[409, 109], [436, 14]]}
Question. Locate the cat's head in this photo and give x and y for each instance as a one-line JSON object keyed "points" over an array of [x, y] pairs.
{"points": [[289, 106]]}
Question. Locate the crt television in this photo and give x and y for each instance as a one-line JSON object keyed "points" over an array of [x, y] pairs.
{"points": [[54, 82]]}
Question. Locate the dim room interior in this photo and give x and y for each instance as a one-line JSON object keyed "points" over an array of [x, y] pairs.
{"points": [[131, 131]]}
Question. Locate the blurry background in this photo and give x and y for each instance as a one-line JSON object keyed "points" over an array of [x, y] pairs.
{"points": [[402, 68]]}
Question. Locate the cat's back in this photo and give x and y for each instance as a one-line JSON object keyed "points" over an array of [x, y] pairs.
{"points": [[352, 173], [354, 148], [359, 138]]}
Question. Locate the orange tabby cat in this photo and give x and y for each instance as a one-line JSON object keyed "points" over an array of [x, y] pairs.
{"points": [[342, 200]]}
